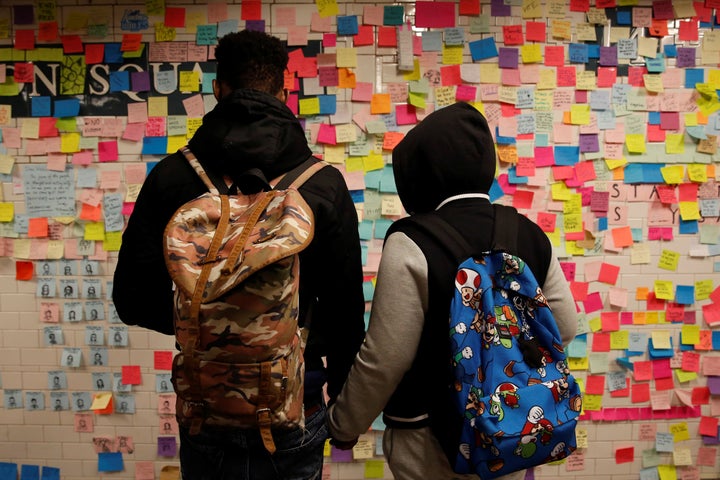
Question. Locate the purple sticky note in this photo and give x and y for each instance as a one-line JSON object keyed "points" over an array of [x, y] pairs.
{"points": [[499, 9], [608, 56], [589, 143], [713, 384], [530, 474], [255, 25], [508, 57], [140, 81], [167, 446], [338, 455], [685, 57]]}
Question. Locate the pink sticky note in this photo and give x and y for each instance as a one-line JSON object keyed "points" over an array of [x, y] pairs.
{"points": [[108, 151], [405, 114], [326, 134]]}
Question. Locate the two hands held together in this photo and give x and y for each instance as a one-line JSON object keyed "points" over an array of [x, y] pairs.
{"points": [[346, 445]]}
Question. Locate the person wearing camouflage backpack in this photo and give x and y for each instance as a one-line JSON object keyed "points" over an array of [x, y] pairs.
{"points": [[252, 130]]}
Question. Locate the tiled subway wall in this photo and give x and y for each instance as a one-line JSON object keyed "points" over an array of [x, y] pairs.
{"points": [[599, 109]]}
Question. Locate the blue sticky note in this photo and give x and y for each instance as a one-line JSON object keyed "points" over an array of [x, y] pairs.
{"points": [[637, 234], [368, 291], [688, 227], [542, 139], [40, 106], [685, 294], [227, 26], [432, 41], [113, 53], [154, 146], [513, 178], [602, 224], [496, 191], [653, 173], [119, 81], [593, 50], [372, 179], [365, 229], [387, 181], [110, 462], [716, 340], [381, 227], [206, 35], [567, 155], [393, 15], [328, 104], [30, 472], [624, 17], [664, 442], [482, 49], [656, 353], [358, 196], [578, 53], [654, 118], [501, 140], [694, 76], [50, 473], [650, 473], [670, 50], [625, 363], [8, 471], [347, 25], [67, 107]]}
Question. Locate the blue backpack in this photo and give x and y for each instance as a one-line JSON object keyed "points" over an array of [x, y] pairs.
{"points": [[518, 402]]}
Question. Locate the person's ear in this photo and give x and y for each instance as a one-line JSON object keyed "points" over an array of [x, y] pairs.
{"points": [[216, 89]]}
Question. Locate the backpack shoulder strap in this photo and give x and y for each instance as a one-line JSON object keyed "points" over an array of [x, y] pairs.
{"points": [[447, 235], [505, 228], [298, 175], [195, 164]]}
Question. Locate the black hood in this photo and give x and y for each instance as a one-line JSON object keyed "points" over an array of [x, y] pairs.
{"points": [[448, 153], [250, 129]]}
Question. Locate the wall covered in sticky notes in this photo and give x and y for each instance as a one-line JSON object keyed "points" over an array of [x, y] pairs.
{"points": [[606, 117]]}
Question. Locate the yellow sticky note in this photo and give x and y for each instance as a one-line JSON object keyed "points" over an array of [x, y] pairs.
{"points": [[673, 174], [679, 431], [415, 74], [94, 231], [346, 57], [635, 142], [664, 289], [327, 8], [580, 114], [490, 73], [667, 472], [175, 143], [582, 363], [674, 143], [661, 339], [373, 161], [374, 469], [690, 119], [6, 164], [595, 324], [531, 53], [334, 153], [7, 211], [101, 400], [572, 223], [417, 100], [354, 164], [546, 81], [309, 106], [653, 83], [560, 191], [689, 211], [619, 340], [112, 241], [703, 289], [189, 81], [697, 172], [592, 402], [70, 142], [157, 107], [452, 54], [690, 334], [669, 260], [327, 448], [683, 376]]}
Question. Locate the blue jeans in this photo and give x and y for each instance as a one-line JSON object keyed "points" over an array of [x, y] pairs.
{"points": [[240, 454]]}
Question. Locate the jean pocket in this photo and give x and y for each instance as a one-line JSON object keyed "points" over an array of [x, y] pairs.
{"points": [[304, 440]]}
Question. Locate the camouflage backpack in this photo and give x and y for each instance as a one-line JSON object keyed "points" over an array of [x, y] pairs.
{"points": [[234, 261]]}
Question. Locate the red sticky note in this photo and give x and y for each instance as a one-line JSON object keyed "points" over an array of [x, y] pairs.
{"points": [[554, 55], [708, 426], [469, 7], [609, 273], [91, 213], [623, 392], [365, 36], [579, 5], [640, 392], [579, 290], [610, 321], [72, 44], [405, 114], [131, 375], [48, 31], [23, 270], [163, 360], [688, 192], [663, 384], [251, 10], [25, 39], [595, 384], [131, 42], [535, 31], [624, 455], [601, 342], [700, 396], [642, 370], [387, 37], [108, 151], [523, 199], [434, 14], [48, 127], [175, 17], [655, 133], [94, 53], [606, 76], [24, 72]]}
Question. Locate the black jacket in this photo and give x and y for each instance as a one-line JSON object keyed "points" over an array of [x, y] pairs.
{"points": [[250, 129]]}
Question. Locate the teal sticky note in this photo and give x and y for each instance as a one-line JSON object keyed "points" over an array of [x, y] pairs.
{"points": [[365, 229], [387, 180], [368, 290], [577, 348], [381, 227], [207, 82]]}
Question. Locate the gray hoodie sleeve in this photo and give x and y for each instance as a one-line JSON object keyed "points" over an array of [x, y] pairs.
{"points": [[391, 342], [557, 292]]}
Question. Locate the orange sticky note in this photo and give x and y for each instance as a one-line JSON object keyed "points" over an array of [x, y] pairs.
{"points": [[622, 237], [131, 42], [38, 227], [131, 375], [380, 104], [92, 213], [609, 273], [391, 139], [23, 270], [641, 293]]}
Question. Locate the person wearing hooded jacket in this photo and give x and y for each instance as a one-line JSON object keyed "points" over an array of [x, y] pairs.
{"points": [[252, 128], [446, 164]]}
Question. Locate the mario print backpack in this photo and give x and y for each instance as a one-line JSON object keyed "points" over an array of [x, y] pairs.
{"points": [[517, 401], [234, 261]]}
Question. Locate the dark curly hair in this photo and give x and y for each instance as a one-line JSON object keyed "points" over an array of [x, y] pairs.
{"points": [[251, 59]]}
